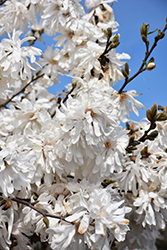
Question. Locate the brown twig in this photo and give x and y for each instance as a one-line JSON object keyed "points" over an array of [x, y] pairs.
{"points": [[28, 204], [21, 91], [147, 54], [2, 2], [64, 100], [144, 137]]}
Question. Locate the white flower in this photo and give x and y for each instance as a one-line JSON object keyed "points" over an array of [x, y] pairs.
{"points": [[83, 122], [61, 236], [16, 169], [95, 3], [15, 67], [56, 12], [50, 62], [149, 205], [135, 176], [103, 211], [13, 16], [13, 57], [122, 103], [6, 223]]}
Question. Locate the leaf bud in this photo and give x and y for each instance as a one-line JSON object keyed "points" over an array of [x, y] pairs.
{"points": [[8, 204], [114, 45], [161, 35], [148, 114], [144, 152], [108, 33], [160, 107], [124, 73], [144, 38], [46, 221], [161, 117], [154, 110], [144, 29], [127, 68], [131, 139], [152, 135], [115, 38]]}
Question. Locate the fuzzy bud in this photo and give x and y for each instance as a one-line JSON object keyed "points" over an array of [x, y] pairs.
{"points": [[152, 135], [148, 114], [46, 221], [151, 64], [127, 68], [154, 109]]}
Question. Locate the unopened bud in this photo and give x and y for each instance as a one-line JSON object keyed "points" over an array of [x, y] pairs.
{"points": [[46, 221], [109, 32], [144, 38], [151, 64], [145, 153], [160, 108], [148, 114], [124, 73], [127, 68], [154, 109], [8, 204], [144, 29], [152, 135], [162, 35], [115, 38], [161, 117], [115, 45]]}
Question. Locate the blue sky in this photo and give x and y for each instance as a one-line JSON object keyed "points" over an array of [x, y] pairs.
{"points": [[131, 14]]}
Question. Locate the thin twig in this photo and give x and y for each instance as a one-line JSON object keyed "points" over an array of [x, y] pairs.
{"points": [[21, 91], [2, 2], [64, 100], [144, 137], [142, 65], [28, 204]]}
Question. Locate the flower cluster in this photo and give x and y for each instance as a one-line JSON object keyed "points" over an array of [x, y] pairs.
{"points": [[70, 176]]}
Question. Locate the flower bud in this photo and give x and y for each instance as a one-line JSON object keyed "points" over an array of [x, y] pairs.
{"points": [[8, 204], [151, 64], [161, 117], [115, 38], [46, 221], [152, 135], [144, 38], [144, 29], [148, 114], [127, 68], [115, 45], [154, 109], [124, 73], [144, 152], [108, 33]]}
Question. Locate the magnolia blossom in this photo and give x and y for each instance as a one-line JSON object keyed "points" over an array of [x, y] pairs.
{"points": [[13, 15], [15, 67], [71, 177]]}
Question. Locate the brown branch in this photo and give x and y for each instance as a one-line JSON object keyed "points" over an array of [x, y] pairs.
{"points": [[144, 137], [2, 2], [28, 204], [64, 100], [147, 54], [21, 91]]}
